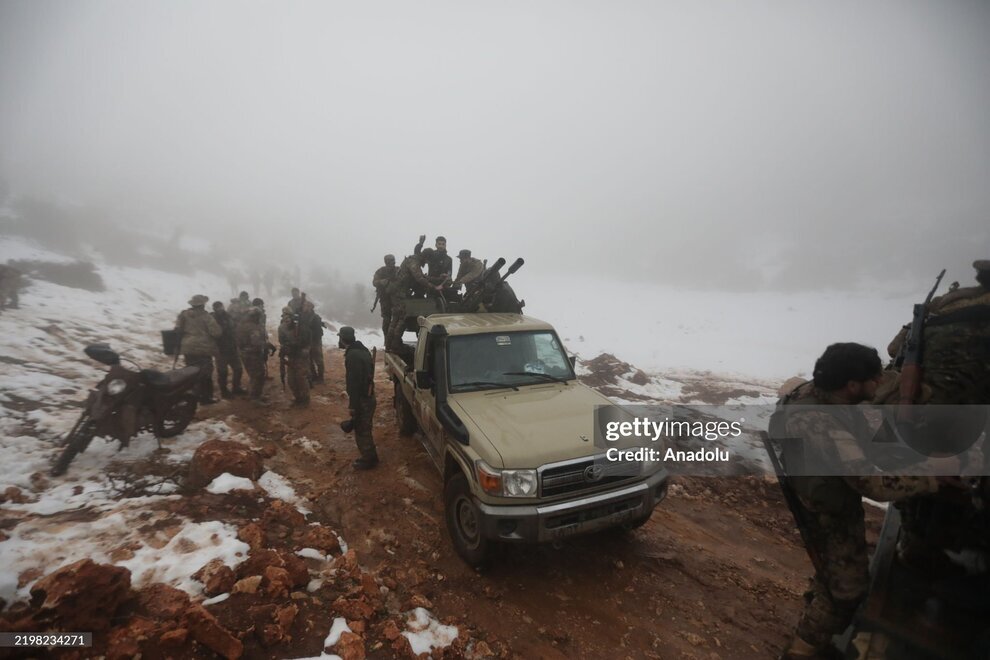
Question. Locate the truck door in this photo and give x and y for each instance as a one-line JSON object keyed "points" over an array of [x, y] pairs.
{"points": [[426, 400]]}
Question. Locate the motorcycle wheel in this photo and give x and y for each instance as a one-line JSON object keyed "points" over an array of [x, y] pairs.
{"points": [[177, 418], [76, 442]]}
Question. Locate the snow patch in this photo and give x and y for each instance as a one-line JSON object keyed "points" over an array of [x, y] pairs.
{"points": [[426, 633], [279, 487], [339, 626], [227, 482]]}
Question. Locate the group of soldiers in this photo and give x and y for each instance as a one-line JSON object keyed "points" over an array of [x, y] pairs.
{"points": [[236, 337], [829, 509], [300, 338], [394, 285]]}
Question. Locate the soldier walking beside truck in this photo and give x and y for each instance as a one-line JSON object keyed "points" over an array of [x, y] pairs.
{"points": [[359, 366]]}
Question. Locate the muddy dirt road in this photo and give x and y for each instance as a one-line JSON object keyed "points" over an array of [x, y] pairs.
{"points": [[717, 572]]}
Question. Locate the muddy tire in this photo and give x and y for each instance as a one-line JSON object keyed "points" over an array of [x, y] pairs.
{"points": [[464, 523], [177, 418], [403, 414], [77, 441]]}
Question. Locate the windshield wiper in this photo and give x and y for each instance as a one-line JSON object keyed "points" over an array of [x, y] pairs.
{"points": [[486, 383], [556, 379]]}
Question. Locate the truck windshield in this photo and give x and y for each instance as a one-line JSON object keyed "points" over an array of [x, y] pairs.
{"points": [[512, 359]]}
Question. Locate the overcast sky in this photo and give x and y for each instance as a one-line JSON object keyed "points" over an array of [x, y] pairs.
{"points": [[723, 144]]}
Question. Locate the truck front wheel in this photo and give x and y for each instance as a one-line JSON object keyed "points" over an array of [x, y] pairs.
{"points": [[464, 523]]}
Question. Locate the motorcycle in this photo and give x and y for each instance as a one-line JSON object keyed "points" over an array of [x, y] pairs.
{"points": [[128, 401]]}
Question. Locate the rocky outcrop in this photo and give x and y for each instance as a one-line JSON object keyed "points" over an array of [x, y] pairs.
{"points": [[215, 457]]}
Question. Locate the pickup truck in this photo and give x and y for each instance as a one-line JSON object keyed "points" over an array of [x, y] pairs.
{"points": [[511, 430]]}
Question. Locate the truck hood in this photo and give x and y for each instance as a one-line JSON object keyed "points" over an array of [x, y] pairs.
{"points": [[538, 424]]}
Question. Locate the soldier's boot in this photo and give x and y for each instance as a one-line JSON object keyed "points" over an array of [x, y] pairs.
{"points": [[365, 463], [222, 382], [799, 649]]}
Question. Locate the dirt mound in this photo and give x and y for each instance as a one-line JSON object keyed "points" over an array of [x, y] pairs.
{"points": [[81, 596], [606, 369]]}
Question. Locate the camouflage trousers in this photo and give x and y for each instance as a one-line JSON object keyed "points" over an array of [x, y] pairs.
{"points": [[835, 593], [364, 414], [205, 362], [229, 360], [397, 324], [298, 377], [255, 368], [316, 361], [385, 305]]}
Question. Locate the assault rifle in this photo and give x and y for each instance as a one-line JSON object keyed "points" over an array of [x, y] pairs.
{"points": [[378, 295], [910, 355]]}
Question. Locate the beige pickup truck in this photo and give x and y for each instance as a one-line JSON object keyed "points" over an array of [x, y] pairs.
{"points": [[511, 430]]}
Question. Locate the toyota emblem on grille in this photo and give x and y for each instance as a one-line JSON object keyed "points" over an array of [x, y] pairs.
{"points": [[593, 473]]}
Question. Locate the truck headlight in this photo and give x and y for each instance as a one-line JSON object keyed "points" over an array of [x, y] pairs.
{"points": [[519, 483], [116, 386], [507, 483]]}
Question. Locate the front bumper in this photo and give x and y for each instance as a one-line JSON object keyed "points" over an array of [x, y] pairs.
{"points": [[551, 522]]}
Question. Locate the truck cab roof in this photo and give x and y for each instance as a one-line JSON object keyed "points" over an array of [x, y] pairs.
{"points": [[472, 324]]}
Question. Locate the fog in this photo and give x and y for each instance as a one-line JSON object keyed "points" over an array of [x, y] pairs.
{"points": [[736, 146]]}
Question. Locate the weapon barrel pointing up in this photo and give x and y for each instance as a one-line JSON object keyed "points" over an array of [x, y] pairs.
{"points": [[516, 265], [497, 265]]}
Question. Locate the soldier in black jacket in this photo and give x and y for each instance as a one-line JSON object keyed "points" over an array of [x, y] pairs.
{"points": [[359, 367]]}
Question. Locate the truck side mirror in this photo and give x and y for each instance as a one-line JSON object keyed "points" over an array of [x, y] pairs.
{"points": [[573, 360], [423, 380]]}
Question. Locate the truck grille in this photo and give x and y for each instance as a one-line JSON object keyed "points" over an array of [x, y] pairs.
{"points": [[572, 478]]}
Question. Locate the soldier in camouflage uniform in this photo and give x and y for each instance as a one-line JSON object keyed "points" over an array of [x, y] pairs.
{"points": [[410, 274], [10, 283], [199, 333], [252, 346], [469, 271], [296, 302], [846, 374], [260, 305], [317, 365], [359, 369], [294, 345], [956, 358], [227, 357], [238, 307], [955, 368], [381, 280]]}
